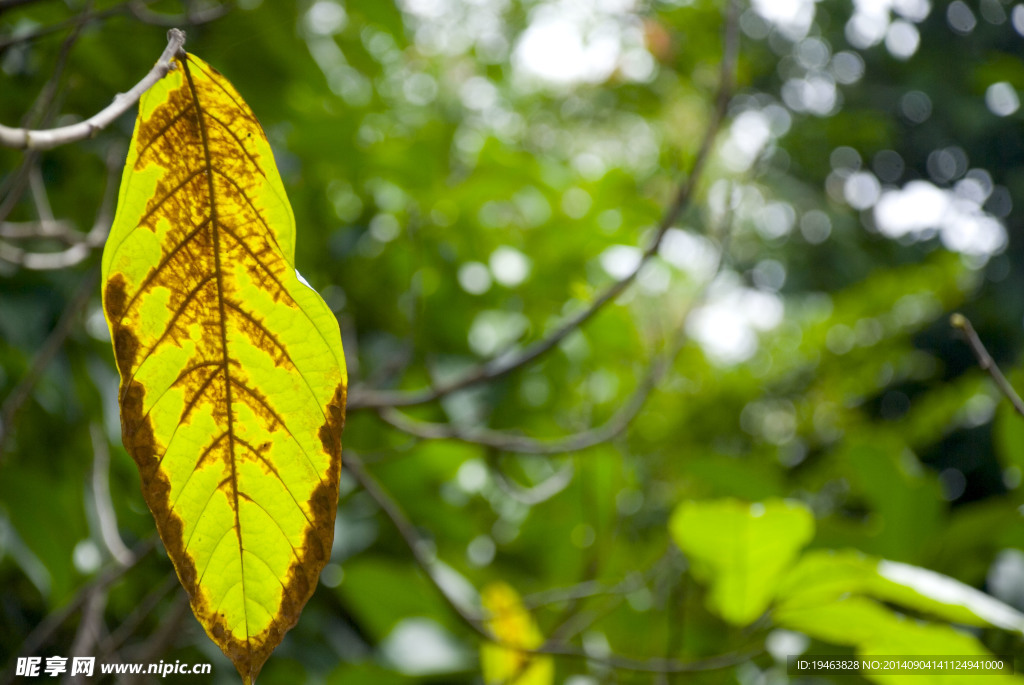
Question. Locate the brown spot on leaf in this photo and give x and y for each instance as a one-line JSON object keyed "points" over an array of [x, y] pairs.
{"points": [[126, 347], [115, 297]]}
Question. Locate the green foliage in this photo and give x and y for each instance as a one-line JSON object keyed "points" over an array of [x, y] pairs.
{"points": [[747, 554], [741, 550]]}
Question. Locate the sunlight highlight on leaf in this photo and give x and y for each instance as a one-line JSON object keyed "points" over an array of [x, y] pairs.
{"points": [[233, 380]]}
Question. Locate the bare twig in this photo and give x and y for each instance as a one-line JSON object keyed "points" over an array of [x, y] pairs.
{"points": [[42, 199], [50, 348], [541, 492], [42, 140], [139, 614], [101, 494], [11, 4], [136, 9], [89, 628], [80, 244], [167, 633], [81, 19], [594, 588], [676, 625], [985, 361], [140, 10], [60, 229], [43, 105], [45, 261], [40, 115], [418, 548], [510, 442], [40, 637], [620, 420], [417, 545], [625, 663], [364, 398]]}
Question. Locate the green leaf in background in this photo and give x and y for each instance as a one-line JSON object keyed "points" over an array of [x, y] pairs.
{"points": [[746, 554], [874, 630], [741, 549], [822, 577], [903, 497], [1008, 434]]}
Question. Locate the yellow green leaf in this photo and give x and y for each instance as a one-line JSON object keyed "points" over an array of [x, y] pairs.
{"points": [[232, 375], [513, 626], [741, 550]]}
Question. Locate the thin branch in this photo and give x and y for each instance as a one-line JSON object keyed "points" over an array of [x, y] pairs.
{"points": [[577, 622], [363, 398], [90, 628], [81, 244], [167, 634], [416, 544], [521, 444], [534, 495], [594, 588], [140, 10], [625, 663], [81, 19], [136, 9], [40, 637], [49, 350], [6, 5], [46, 139], [44, 103], [139, 614], [676, 625], [45, 261], [985, 361], [614, 426], [39, 195], [40, 114], [59, 229], [101, 495]]}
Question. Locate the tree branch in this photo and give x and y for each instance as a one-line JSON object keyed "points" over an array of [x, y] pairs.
{"points": [[139, 614], [140, 10], [40, 637], [363, 398], [6, 5], [418, 547], [655, 665], [25, 139], [137, 9], [620, 420], [105, 514], [985, 361], [49, 350], [60, 229], [510, 442], [411, 536], [79, 20], [90, 628], [40, 114], [80, 244]]}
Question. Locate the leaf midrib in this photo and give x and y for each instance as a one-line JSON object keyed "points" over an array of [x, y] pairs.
{"points": [[215, 236]]}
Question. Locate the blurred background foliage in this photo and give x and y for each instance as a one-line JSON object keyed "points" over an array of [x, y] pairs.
{"points": [[466, 175]]}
